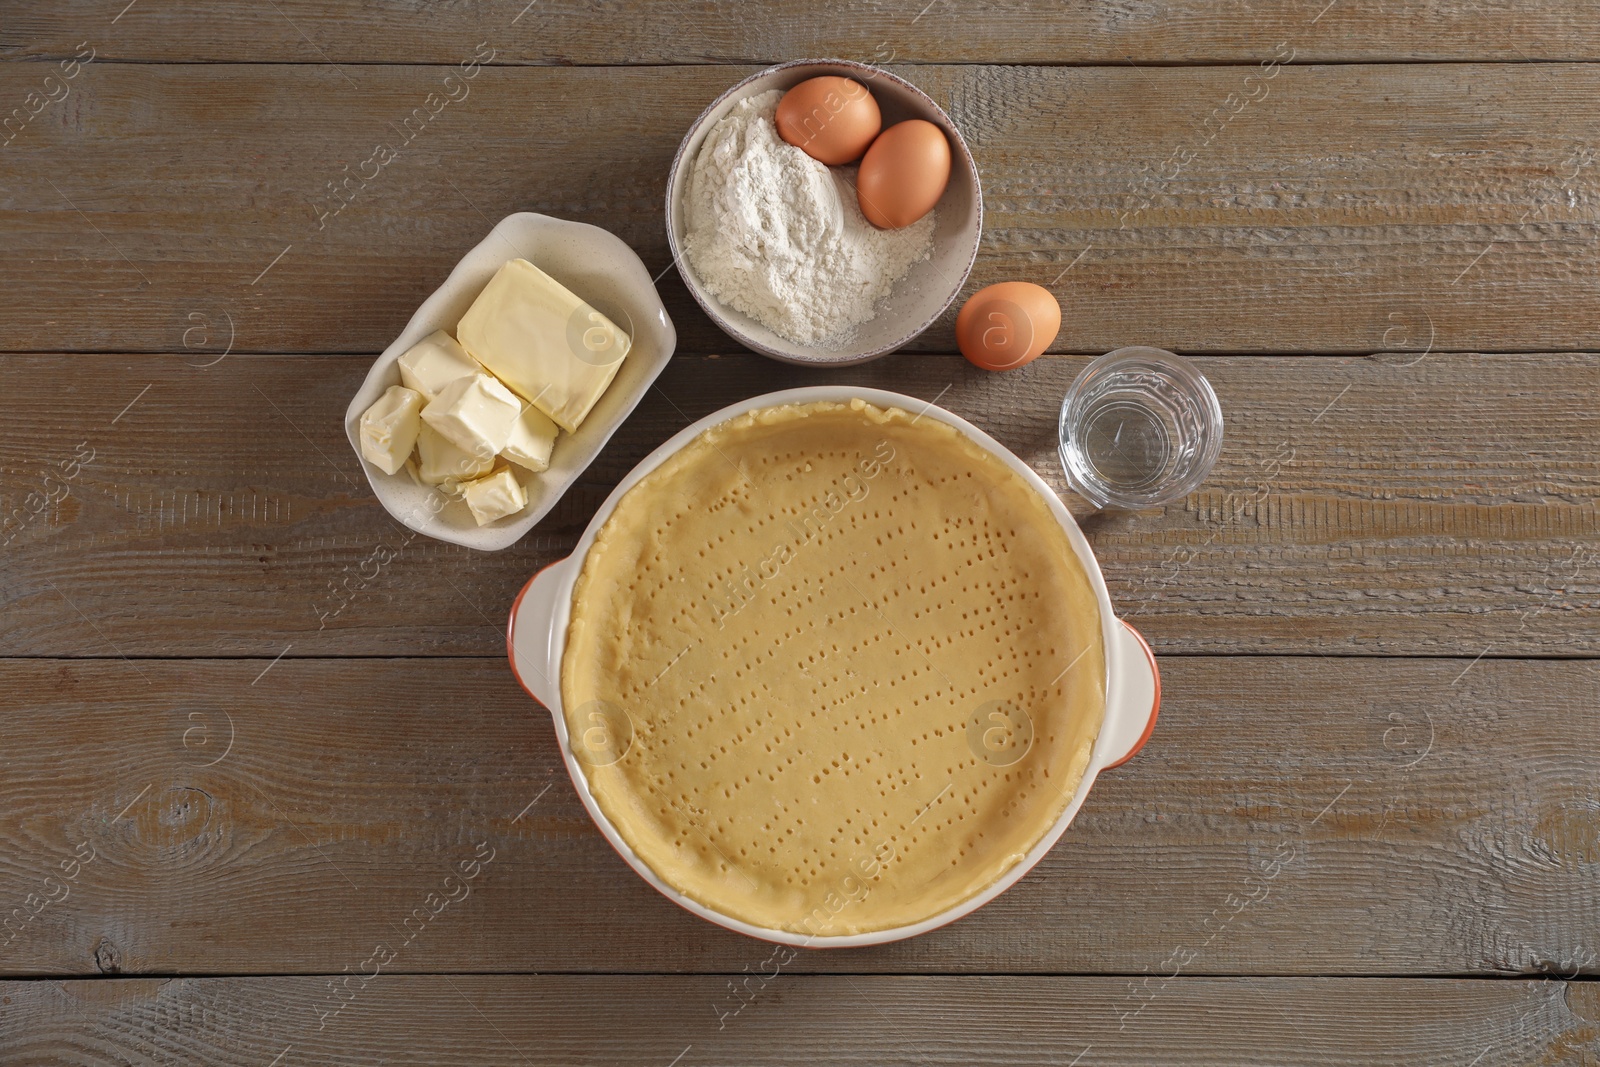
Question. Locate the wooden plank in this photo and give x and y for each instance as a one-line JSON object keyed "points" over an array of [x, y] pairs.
{"points": [[755, 31], [1387, 506], [565, 1019], [1290, 815], [1343, 209]]}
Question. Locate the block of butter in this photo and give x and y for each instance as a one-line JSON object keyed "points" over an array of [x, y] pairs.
{"points": [[433, 363], [545, 343], [476, 414], [389, 428], [531, 440], [495, 497], [441, 462]]}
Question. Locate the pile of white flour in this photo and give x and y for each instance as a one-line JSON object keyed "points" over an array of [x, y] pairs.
{"points": [[775, 234]]}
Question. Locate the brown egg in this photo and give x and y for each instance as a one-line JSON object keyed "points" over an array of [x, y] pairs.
{"points": [[830, 119], [1007, 325], [904, 174]]}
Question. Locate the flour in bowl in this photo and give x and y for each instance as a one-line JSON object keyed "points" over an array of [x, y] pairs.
{"points": [[779, 236]]}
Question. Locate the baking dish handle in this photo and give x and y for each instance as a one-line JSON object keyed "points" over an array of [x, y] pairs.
{"points": [[531, 634], [1136, 684]]}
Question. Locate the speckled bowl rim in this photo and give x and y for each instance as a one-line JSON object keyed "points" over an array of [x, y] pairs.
{"points": [[710, 304]]}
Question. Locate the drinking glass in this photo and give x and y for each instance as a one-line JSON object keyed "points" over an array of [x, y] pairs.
{"points": [[1140, 427]]}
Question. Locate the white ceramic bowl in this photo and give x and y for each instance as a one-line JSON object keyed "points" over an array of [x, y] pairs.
{"points": [[919, 298], [536, 638], [595, 265]]}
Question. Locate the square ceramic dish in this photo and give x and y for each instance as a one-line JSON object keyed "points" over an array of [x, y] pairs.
{"points": [[600, 269], [919, 298]]}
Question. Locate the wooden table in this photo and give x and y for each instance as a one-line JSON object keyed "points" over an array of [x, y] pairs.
{"points": [[241, 743]]}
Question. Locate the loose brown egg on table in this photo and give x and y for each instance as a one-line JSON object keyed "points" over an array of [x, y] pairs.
{"points": [[1007, 325], [903, 174], [830, 119]]}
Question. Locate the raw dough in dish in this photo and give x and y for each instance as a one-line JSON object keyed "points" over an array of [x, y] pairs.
{"points": [[832, 668]]}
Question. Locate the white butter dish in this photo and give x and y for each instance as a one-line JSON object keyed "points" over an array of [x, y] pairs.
{"points": [[600, 269]]}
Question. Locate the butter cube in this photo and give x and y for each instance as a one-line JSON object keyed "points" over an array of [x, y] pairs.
{"points": [[531, 440], [541, 340], [434, 362], [389, 428], [441, 462], [475, 413], [495, 497]]}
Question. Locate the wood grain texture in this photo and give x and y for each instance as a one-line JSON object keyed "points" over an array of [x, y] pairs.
{"points": [[749, 31], [1289, 816], [1325, 209], [1298, 821], [1445, 507], [835, 1020]]}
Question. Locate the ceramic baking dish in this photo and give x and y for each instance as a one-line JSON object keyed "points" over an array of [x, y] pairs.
{"points": [[537, 631]]}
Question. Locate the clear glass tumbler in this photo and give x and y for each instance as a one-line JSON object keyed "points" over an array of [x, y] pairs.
{"points": [[1140, 427]]}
